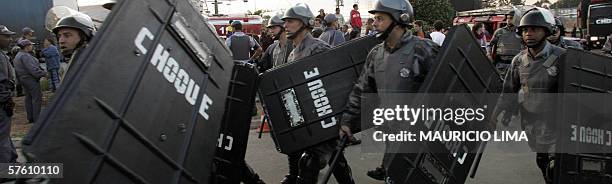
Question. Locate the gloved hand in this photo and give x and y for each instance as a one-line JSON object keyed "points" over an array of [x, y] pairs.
{"points": [[346, 130]]}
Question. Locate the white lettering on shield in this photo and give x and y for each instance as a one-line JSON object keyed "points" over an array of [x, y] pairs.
{"points": [[172, 72], [320, 100]]}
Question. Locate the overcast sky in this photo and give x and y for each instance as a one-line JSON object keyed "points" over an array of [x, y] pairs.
{"points": [[239, 6]]}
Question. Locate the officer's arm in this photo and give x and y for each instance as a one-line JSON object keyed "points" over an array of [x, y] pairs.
{"points": [[508, 100], [32, 66], [258, 50], [426, 57], [364, 84], [493, 44], [228, 41], [320, 48], [265, 62], [5, 83]]}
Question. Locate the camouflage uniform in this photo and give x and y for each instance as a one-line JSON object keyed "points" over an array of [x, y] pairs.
{"points": [[507, 45], [7, 150], [399, 70], [534, 78], [315, 158]]}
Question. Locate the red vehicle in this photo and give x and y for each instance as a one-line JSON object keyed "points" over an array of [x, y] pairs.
{"points": [[492, 18], [251, 24]]}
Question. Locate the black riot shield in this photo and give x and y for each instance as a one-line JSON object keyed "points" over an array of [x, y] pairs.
{"points": [[142, 104], [586, 120], [462, 68], [305, 99], [229, 166]]}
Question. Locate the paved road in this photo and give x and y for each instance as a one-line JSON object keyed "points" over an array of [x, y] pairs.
{"points": [[500, 163]]}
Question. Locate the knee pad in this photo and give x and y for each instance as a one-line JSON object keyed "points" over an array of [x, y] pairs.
{"points": [[309, 160]]}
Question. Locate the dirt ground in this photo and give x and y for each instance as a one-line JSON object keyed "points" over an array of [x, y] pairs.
{"points": [[20, 125]]}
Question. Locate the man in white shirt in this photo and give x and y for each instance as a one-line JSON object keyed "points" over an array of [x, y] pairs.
{"points": [[340, 18], [437, 36]]}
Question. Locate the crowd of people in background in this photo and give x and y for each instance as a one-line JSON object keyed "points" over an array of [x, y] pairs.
{"points": [[334, 29]]}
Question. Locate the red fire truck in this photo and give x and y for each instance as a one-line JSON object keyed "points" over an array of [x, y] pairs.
{"points": [[492, 18], [251, 24]]}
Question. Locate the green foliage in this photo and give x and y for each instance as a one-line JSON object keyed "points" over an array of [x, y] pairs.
{"points": [[432, 10]]}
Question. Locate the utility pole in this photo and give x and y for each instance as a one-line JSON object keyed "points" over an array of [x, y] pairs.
{"points": [[216, 3]]}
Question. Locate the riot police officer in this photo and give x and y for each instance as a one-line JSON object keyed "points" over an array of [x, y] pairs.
{"points": [[276, 54], [557, 37], [505, 44], [398, 64], [331, 35], [73, 33], [533, 72], [298, 24], [7, 85], [241, 44]]}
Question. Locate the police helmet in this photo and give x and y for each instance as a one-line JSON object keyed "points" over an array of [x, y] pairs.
{"points": [[276, 21], [400, 10], [301, 12], [538, 17], [559, 25], [78, 21], [330, 18]]}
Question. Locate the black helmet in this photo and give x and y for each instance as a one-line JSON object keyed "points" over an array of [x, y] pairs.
{"points": [[276, 21], [78, 21], [538, 17], [400, 10], [511, 12], [109, 4], [330, 18], [5, 31], [516, 16], [302, 12], [559, 25], [237, 25]]}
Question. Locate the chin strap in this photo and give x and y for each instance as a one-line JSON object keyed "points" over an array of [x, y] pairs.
{"points": [[292, 36], [383, 35]]}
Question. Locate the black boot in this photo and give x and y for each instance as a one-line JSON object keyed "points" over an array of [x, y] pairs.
{"points": [[309, 169], [378, 173], [294, 159], [342, 171], [289, 179]]}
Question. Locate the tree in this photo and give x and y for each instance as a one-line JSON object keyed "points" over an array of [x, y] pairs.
{"points": [[432, 10]]}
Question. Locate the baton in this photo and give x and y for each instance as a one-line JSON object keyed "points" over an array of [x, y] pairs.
{"points": [[341, 146]]}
